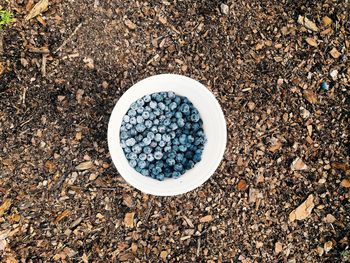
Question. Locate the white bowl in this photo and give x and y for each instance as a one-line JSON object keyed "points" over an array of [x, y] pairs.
{"points": [[214, 126]]}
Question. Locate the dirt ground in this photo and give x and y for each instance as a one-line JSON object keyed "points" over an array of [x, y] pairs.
{"points": [[64, 70]]}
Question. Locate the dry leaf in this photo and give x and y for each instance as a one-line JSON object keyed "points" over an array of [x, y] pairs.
{"points": [[130, 24], [310, 96], [5, 206], [206, 219], [163, 254], [85, 258], [329, 218], [251, 105], [298, 165], [29, 5], [345, 183], [84, 166], [326, 21], [50, 166], [11, 259], [311, 41], [302, 211], [64, 214], [126, 256], [162, 19], [310, 25], [242, 185], [134, 248], [327, 31], [340, 166], [278, 247], [40, 7], [129, 219], [276, 146], [259, 46], [328, 246], [127, 200], [335, 53], [15, 217]]}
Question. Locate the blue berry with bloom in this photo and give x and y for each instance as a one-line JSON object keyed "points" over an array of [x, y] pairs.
{"points": [[162, 135]]}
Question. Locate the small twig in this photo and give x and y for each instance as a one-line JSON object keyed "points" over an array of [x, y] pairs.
{"points": [[40, 50], [66, 41], [43, 65], [148, 213], [24, 123], [24, 96], [198, 246]]}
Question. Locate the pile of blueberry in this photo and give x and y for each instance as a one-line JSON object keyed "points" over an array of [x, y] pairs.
{"points": [[162, 135]]}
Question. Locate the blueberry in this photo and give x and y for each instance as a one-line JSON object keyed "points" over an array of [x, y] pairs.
{"points": [[160, 177], [158, 137], [140, 127], [153, 144], [172, 134], [183, 139], [162, 143], [147, 98], [141, 164], [132, 163], [140, 110], [156, 170], [145, 172], [133, 120], [148, 124], [134, 106], [188, 126], [197, 157], [139, 138], [145, 115], [142, 156], [140, 119], [173, 126], [184, 108], [138, 169], [189, 154], [152, 116], [161, 105], [178, 167], [175, 147], [166, 122], [158, 155], [140, 102], [195, 117], [169, 114], [158, 97], [195, 126], [136, 149], [132, 113], [126, 118], [190, 139], [178, 115], [130, 142], [176, 174], [153, 104], [128, 126], [171, 94], [189, 165], [181, 122], [161, 118], [132, 156], [157, 112], [127, 150], [150, 157], [146, 141], [171, 155], [122, 143], [150, 135], [147, 149], [160, 164], [167, 148], [170, 162], [124, 135], [172, 106], [166, 137], [123, 128], [154, 129], [179, 157], [177, 100], [161, 129], [176, 141]]}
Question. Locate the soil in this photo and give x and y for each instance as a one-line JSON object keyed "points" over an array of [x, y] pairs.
{"points": [[64, 70]]}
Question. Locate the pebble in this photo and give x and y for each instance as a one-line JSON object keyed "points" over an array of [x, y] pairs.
{"points": [[334, 74], [224, 9], [324, 85]]}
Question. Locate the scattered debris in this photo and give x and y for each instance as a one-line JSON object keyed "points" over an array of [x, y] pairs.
{"points": [[298, 165], [129, 219], [224, 9], [345, 183], [206, 219], [311, 41], [328, 246], [310, 96], [131, 25], [324, 86], [307, 23], [5, 206], [84, 166], [335, 53], [329, 218]]}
